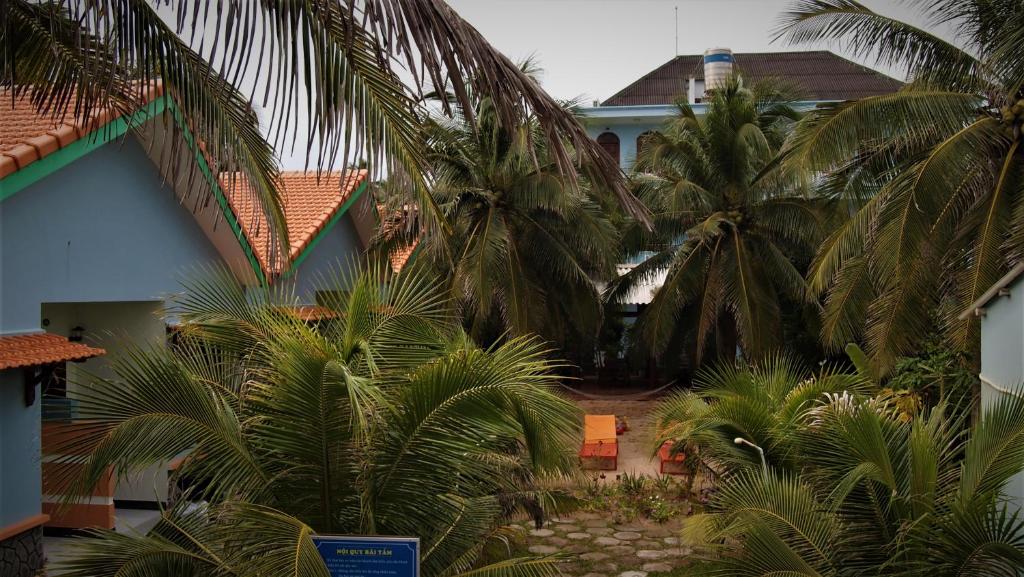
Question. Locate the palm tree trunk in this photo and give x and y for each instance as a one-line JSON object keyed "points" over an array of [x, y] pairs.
{"points": [[726, 338]]}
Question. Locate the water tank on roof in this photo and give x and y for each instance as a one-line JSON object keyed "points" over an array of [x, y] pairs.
{"points": [[717, 68]]}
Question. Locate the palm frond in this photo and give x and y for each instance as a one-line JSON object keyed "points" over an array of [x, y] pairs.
{"points": [[889, 41]]}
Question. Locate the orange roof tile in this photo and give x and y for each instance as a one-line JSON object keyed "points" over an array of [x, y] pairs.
{"points": [[41, 349], [400, 256], [391, 225], [309, 202], [27, 136]]}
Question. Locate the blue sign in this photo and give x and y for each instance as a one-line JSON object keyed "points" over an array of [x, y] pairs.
{"points": [[369, 556]]}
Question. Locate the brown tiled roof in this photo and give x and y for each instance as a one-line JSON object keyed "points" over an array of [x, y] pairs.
{"points": [[309, 202], [41, 349], [820, 74], [27, 136]]}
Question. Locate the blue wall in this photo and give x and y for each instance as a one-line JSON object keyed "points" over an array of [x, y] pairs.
{"points": [[20, 469], [1002, 339], [102, 229], [338, 249], [629, 122], [627, 134]]}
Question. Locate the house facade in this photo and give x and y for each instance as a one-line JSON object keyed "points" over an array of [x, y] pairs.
{"points": [[620, 122], [1001, 310], [94, 239]]}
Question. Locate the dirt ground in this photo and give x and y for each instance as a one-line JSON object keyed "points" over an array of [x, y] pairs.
{"points": [[637, 444]]}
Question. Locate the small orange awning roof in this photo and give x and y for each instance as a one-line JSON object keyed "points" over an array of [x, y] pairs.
{"points": [[41, 349], [599, 429], [307, 313]]}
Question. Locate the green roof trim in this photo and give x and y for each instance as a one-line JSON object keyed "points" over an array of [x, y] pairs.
{"points": [[352, 198], [218, 193], [51, 163], [47, 165]]}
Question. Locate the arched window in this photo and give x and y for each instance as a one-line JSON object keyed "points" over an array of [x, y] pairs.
{"points": [[641, 141], [610, 143]]}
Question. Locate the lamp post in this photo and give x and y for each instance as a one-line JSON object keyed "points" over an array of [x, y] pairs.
{"points": [[760, 451]]}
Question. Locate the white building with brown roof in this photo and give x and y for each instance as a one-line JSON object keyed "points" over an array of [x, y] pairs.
{"points": [[620, 121]]}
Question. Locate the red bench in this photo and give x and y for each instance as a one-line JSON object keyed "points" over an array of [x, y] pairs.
{"points": [[671, 464], [600, 447]]}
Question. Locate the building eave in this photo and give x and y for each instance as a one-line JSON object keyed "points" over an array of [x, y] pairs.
{"points": [[641, 112], [108, 128], [112, 128], [977, 308]]}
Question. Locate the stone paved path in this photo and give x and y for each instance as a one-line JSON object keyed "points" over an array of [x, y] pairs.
{"points": [[596, 547]]}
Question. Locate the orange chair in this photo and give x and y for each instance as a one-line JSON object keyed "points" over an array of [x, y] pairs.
{"points": [[600, 447], [671, 464]]}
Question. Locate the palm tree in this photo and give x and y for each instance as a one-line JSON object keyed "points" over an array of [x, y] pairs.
{"points": [[335, 60], [728, 235], [933, 171], [762, 403], [379, 418], [871, 493], [525, 246]]}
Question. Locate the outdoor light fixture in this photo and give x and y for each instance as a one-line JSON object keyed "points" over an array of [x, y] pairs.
{"points": [[760, 451], [76, 334]]}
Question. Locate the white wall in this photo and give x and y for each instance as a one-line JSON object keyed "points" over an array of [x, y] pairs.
{"points": [[1002, 360], [110, 326]]}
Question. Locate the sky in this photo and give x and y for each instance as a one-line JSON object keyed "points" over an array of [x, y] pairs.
{"points": [[593, 48]]}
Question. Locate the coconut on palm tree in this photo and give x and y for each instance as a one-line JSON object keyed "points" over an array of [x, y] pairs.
{"points": [[729, 232], [327, 73], [525, 245], [934, 171], [379, 418]]}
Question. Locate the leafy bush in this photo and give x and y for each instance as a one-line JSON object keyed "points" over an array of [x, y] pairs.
{"points": [[855, 485], [939, 374], [632, 485], [760, 403], [381, 418], [633, 495]]}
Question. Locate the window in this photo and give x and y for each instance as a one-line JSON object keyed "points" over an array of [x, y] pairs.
{"points": [[610, 143], [641, 141]]}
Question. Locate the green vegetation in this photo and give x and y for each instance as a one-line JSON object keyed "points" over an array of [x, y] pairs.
{"points": [[853, 486], [381, 418], [525, 245], [763, 404], [932, 173], [873, 222], [339, 62], [636, 496], [730, 232]]}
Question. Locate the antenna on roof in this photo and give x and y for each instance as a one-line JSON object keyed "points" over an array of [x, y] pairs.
{"points": [[677, 30]]}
